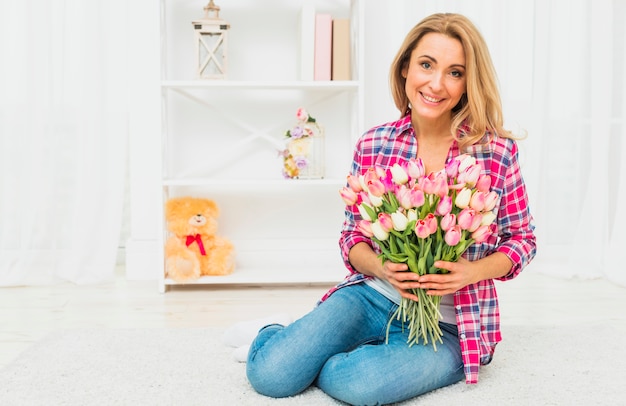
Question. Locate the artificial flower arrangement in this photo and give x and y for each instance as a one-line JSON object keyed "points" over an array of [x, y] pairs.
{"points": [[304, 153], [418, 219]]}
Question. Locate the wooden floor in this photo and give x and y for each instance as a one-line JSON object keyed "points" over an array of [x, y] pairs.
{"points": [[29, 313]]}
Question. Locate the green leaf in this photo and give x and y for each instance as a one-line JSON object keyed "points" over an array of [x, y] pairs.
{"points": [[410, 228], [370, 212], [393, 200], [401, 246], [392, 244]]}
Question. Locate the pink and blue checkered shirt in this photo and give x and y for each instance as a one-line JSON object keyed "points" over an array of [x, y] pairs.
{"points": [[476, 306]]}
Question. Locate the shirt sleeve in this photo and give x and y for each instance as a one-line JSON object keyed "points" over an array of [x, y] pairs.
{"points": [[350, 235], [515, 223]]}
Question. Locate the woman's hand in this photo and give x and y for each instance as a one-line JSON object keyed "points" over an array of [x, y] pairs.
{"points": [[399, 276], [464, 272], [460, 274]]}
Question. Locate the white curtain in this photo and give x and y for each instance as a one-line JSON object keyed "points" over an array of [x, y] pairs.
{"points": [[63, 136], [562, 72]]}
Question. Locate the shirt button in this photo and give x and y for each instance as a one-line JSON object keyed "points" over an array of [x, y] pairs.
{"points": [[458, 307], [463, 336]]}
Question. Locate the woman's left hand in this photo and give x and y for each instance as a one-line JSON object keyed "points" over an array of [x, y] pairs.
{"points": [[460, 274]]}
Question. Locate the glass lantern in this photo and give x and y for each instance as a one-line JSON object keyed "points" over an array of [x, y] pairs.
{"points": [[211, 43]]}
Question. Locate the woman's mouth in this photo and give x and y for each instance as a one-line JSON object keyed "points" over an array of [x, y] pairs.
{"points": [[431, 99]]}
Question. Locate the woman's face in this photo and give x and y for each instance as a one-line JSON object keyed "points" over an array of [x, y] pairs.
{"points": [[435, 76]]}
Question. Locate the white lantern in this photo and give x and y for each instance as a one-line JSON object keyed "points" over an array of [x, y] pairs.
{"points": [[211, 41]]}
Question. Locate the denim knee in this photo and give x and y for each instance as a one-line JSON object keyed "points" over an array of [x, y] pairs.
{"points": [[269, 372]]}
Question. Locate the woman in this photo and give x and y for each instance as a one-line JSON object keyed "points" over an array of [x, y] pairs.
{"points": [[444, 85]]}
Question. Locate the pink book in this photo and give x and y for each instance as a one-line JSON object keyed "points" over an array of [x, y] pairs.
{"points": [[323, 46]]}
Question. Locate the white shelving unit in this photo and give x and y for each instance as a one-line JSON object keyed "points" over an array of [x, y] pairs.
{"points": [[220, 138]]}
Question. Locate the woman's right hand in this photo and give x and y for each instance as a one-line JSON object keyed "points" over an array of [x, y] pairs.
{"points": [[367, 262], [399, 276]]}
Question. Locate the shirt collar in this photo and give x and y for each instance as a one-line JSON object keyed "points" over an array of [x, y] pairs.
{"points": [[404, 126]]}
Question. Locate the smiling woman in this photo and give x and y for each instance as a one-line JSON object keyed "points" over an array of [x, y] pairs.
{"points": [[350, 340]]}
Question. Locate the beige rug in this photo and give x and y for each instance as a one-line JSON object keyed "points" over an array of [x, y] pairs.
{"points": [[533, 366]]}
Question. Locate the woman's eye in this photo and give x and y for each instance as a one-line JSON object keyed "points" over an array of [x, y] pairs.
{"points": [[456, 74], [425, 65]]}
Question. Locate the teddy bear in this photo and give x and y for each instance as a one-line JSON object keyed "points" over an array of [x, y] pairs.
{"points": [[192, 248]]}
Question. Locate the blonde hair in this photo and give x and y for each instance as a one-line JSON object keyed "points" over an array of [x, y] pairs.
{"points": [[480, 109]]}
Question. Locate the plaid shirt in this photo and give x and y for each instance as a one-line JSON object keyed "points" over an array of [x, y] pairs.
{"points": [[476, 306]]}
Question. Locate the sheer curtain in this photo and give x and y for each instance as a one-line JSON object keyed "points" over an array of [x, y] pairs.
{"points": [[579, 117], [562, 72], [63, 135]]}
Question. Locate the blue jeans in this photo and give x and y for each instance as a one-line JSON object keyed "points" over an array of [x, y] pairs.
{"points": [[340, 347]]}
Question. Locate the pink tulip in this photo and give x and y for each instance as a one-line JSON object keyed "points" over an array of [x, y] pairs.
{"points": [[354, 183], [444, 206], [403, 195], [415, 168], [421, 229], [365, 198], [376, 188], [417, 197], [385, 221], [369, 176], [471, 174], [427, 185], [441, 185], [431, 222], [484, 183], [365, 227], [452, 168], [349, 196], [380, 172], [465, 218], [410, 198], [399, 175], [476, 222], [481, 234], [448, 221], [453, 236], [477, 202], [490, 200]]}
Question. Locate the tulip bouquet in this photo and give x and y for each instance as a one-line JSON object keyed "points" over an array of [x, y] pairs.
{"points": [[419, 219]]}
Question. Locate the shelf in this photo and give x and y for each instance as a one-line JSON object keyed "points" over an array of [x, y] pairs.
{"points": [[255, 183], [279, 261], [260, 85], [221, 140], [266, 277]]}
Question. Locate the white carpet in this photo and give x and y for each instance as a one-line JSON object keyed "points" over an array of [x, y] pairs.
{"points": [[533, 366]]}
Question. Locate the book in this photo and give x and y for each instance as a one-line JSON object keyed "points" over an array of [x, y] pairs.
{"points": [[341, 69], [323, 46], [307, 41]]}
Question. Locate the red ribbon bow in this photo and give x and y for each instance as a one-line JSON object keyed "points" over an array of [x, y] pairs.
{"points": [[198, 239]]}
